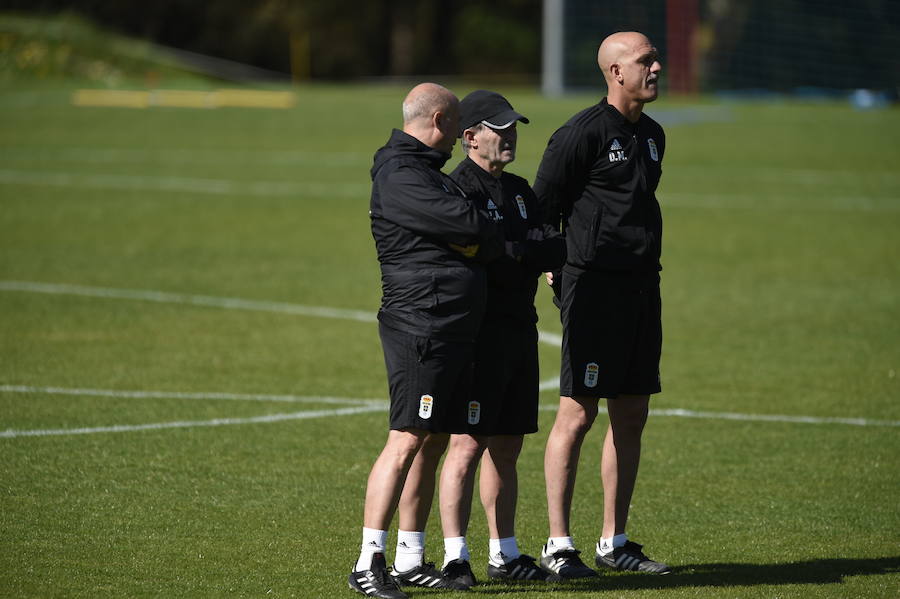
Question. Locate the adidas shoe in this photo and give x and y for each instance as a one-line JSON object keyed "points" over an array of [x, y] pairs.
{"points": [[521, 568], [426, 575], [630, 557], [566, 564], [460, 572], [376, 582]]}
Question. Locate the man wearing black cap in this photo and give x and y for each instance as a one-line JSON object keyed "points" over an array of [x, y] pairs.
{"points": [[504, 404]]}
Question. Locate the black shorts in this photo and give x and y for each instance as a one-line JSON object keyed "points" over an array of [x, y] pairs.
{"points": [[612, 334], [505, 391], [429, 380]]}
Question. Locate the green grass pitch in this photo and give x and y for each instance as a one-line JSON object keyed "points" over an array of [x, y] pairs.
{"points": [[125, 235]]}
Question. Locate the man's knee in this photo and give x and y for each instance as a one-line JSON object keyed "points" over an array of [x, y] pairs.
{"points": [[466, 448], [628, 413], [576, 414], [406, 442], [504, 449]]}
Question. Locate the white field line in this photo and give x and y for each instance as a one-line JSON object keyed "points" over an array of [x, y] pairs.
{"points": [[126, 428], [215, 302], [318, 311], [181, 156], [182, 184], [347, 189], [182, 298], [122, 394], [782, 418], [547, 385], [369, 406]]}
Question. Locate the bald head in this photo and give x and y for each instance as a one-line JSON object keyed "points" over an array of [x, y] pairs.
{"points": [[631, 68], [618, 46], [424, 100], [431, 115]]}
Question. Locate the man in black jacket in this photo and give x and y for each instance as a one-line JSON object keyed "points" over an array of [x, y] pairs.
{"points": [[504, 404], [426, 235], [597, 182]]}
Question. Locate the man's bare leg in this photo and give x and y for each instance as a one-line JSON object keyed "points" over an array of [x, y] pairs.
{"points": [[573, 420], [621, 458], [499, 484]]}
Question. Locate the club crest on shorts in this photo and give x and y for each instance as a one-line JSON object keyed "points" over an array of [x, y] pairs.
{"points": [[520, 202], [426, 404], [474, 412], [654, 153], [591, 375]]}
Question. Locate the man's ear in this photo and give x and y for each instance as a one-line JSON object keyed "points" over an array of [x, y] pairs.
{"points": [[469, 136], [615, 72]]}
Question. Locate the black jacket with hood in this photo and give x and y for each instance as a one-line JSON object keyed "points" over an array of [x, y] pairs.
{"points": [[429, 288]]}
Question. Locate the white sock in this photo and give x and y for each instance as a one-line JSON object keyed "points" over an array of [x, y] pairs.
{"points": [[555, 544], [503, 551], [373, 542], [605, 546], [410, 550], [455, 548]]}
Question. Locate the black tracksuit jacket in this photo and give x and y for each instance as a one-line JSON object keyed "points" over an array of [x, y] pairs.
{"points": [[597, 183], [428, 288], [510, 202]]}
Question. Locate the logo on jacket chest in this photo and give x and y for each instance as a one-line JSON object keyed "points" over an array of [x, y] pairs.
{"points": [[654, 152], [520, 202], [494, 211], [616, 152]]}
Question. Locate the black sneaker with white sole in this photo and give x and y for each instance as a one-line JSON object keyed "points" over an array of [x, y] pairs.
{"points": [[521, 568], [631, 557], [566, 564], [376, 582], [426, 575], [460, 572]]}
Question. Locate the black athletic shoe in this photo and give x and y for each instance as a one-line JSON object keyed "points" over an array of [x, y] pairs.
{"points": [[426, 575], [376, 582], [521, 568], [566, 564], [630, 557], [460, 572]]}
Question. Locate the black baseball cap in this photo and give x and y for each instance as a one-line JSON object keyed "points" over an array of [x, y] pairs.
{"points": [[488, 107]]}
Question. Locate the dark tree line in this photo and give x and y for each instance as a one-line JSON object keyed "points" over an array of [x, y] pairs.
{"points": [[333, 39], [764, 44]]}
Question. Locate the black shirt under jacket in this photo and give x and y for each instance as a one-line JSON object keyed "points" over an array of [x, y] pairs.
{"points": [[510, 202], [597, 183], [428, 288]]}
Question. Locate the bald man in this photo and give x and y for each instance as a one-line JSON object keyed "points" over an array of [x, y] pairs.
{"points": [[429, 239], [597, 183]]}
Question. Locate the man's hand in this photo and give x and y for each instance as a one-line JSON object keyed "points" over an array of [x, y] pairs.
{"points": [[534, 235], [549, 276]]}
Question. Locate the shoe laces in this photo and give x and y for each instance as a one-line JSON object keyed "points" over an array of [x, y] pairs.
{"points": [[457, 567], [635, 549], [567, 555]]}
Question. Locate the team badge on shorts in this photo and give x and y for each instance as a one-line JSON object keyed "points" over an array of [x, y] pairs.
{"points": [[520, 202], [426, 403], [591, 374], [654, 153], [474, 412]]}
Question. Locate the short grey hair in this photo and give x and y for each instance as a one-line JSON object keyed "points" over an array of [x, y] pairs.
{"points": [[476, 128]]}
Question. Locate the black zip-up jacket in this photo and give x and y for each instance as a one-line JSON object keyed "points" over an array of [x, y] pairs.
{"points": [[428, 288], [510, 202], [597, 183]]}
